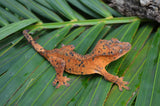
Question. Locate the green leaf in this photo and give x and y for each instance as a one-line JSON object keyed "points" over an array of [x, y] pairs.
{"points": [[44, 3], [137, 44], [62, 7], [87, 22], [71, 36], [17, 8], [32, 61], [80, 6], [41, 10], [112, 11], [3, 22], [12, 28], [14, 43], [26, 77], [9, 16], [149, 88], [96, 6], [89, 38]]}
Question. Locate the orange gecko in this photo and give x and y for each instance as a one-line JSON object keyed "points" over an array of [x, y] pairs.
{"points": [[66, 59]]}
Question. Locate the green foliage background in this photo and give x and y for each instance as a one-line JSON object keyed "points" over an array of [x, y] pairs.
{"points": [[26, 77]]}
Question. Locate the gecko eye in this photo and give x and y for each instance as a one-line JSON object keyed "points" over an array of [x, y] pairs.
{"points": [[120, 51]]}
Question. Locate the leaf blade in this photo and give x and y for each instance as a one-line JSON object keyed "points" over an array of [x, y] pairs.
{"points": [[11, 28]]}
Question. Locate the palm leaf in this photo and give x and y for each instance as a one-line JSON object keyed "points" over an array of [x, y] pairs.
{"points": [[26, 77]]}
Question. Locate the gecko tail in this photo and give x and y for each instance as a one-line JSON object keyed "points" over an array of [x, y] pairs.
{"points": [[36, 46]]}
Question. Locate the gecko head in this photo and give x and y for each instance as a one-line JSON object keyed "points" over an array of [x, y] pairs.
{"points": [[118, 49], [114, 48]]}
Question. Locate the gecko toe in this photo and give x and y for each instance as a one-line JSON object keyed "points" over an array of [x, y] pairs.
{"points": [[68, 79], [122, 84], [61, 81], [67, 84], [54, 82], [120, 88], [125, 87], [58, 85]]}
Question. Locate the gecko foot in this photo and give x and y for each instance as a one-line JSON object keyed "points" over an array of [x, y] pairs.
{"points": [[122, 83], [61, 81]]}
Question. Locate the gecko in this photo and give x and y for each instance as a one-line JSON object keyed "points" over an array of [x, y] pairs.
{"points": [[65, 59]]}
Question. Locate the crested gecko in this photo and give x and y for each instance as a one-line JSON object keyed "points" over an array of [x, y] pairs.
{"points": [[65, 59]]}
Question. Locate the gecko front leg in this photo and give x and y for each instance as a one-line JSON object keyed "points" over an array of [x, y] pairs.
{"points": [[59, 65], [115, 79]]}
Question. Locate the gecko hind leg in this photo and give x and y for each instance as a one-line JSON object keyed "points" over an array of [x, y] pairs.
{"points": [[59, 65]]}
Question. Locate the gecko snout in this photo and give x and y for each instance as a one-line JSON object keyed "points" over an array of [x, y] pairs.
{"points": [[127, 46]]}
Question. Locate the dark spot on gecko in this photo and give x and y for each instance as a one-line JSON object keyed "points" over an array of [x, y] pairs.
{"points": [[111, 52], [72, 46], [92, 52], [101, 41], [108, 53], [43, 52], [71, 53], [27, 36], [80, 63], [83, 65], [106, 44], [62, 63], [127, 48], [79, 60], [99, 51], [93, 58], [114, 57], [104, 54], [121, 46], [57, 63], [66, 54], [81, 73], [104, 47], [111, 41], [69, 69], [68, 60], [64, 83], [30, 40]]}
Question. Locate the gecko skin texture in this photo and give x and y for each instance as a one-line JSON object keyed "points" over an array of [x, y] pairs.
{"points": [[65, 59]]}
